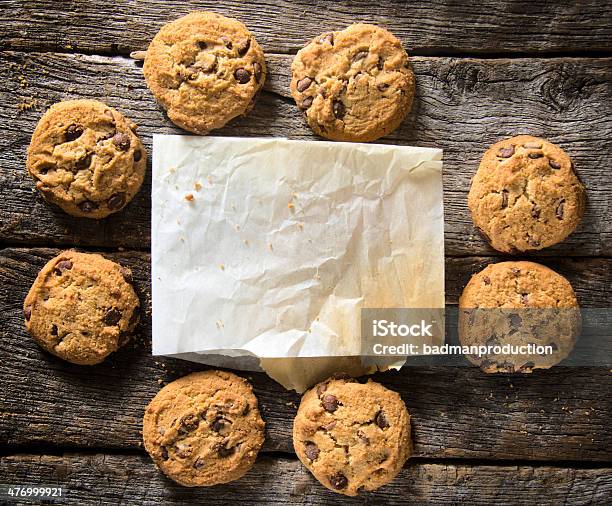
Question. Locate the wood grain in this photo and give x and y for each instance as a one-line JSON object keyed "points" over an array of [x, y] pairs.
{"points": [[526, 82], [133, 479], [560, 414], [426, 27], [462, 106]]}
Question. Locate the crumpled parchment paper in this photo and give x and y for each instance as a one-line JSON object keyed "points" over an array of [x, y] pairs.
{"points": [[265, 250]]}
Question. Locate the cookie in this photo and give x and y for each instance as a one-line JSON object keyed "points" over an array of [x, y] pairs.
{"points": [[352, 436], [204, 69], [204, 429], [353, 85], [81, 307], [525, 195], [518, 304], [86, 158]]}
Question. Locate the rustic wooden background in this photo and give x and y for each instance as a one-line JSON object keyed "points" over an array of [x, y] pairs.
{"points": [[485, 70]]}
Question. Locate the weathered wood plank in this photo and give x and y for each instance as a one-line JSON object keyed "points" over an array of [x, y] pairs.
{"points": [[462, 106], [560, 414], [133, 479], [426, 27]]}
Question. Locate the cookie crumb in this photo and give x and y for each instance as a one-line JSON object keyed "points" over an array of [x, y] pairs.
{"points": [[197, 186], [189, 197]]}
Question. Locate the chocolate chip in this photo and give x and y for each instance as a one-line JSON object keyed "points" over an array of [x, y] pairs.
{"points": [[554, 346], [524, 298], [504, 194], [338, 481], [108, 135], [188, 424], [381, 420], [533, 156], [554, 165], [72, 133], [560, 210], [121, 141], [380, 64], [257, 71], [137, 155], [339, 109], [311, 450], [360, 56], [304, 83], [84, 162], [112, 317], [330, 403], [27, 312], [164, 452], [227, 42], [486, 280], [306, 103], [532, 145], [515, 320], [61, 266], [199, 463], [44, 168], [127, 274], [226, 452], [243, 46], [533, 242], [182, 451], [241, 75], [221, 425], [382, 86], [329, 426], [246, 410], [202, 45], [116, 201], [363, 437], [54, 330], [321, 388], [535, 211], [506, 152], [328, 37]]}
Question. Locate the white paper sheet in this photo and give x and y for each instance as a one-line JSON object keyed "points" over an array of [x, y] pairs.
{"points": [[269, 248]]}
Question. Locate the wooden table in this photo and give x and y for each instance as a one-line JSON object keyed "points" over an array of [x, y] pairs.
{"points": [[484, 71]]}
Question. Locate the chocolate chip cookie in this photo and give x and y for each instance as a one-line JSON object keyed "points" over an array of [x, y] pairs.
{"points": [[352, 436], [204, 69], [204, 429], [86, 158], [518, 304], [353, 85], [81, 307], [525, 195]]}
